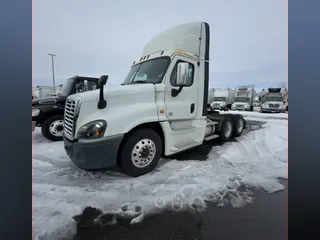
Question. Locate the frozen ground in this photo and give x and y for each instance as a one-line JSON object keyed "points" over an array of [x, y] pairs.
{"points": [[61, 190]]}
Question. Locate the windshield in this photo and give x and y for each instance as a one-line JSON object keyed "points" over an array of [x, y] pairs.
{"points": [[65, 90], [151, 71], [273, 99], [241, 99], [216, 99]]}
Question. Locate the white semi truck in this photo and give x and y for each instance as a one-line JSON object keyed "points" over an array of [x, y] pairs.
{"points": [[161, 114], [222, 99], [273, 101], [244, 99]]}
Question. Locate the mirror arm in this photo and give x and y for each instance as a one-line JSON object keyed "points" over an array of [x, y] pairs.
{"points": [[175, 92]]}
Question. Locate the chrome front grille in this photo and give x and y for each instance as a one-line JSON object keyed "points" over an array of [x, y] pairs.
{"points": [[274, 105], [69, 113], [239, 106], [216, 104]]}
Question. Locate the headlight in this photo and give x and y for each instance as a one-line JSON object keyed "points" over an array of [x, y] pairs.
{"points": [[35, 112], [223, 104], [92, 130], [264, 105]]}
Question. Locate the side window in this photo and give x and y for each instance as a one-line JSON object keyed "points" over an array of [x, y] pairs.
{"points": [[92, 85], [173, 78]]}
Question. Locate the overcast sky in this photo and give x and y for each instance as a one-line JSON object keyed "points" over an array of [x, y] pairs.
{"points": [[248, 37]]}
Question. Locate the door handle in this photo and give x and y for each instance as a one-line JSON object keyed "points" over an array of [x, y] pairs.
{"points": [[192, 107]]}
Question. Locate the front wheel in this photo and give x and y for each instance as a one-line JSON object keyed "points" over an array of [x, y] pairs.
{"points": [[52, 128], [141, 152]]}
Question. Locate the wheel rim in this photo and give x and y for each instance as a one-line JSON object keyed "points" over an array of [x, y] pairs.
{"points": [[228, 129], [56, 128], [240, 125], [143, 153]]}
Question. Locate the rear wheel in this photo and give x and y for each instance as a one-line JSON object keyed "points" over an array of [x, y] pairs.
{"points": [[226, 131], [239, 125], [251, 109], [52, 128], [141, 152]]}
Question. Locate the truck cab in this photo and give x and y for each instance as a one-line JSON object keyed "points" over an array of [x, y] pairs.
{"points": [[159, 110], [244, 99], [222, 99], [47, 113], [273, 101]]}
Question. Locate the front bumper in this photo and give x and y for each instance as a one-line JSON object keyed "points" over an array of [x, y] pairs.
{"points": [[218, 107], [240, 108], [34, 123], [94, 154], [273, 110]]}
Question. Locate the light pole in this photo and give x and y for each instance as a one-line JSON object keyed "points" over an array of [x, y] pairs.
{"points": [[52, 62]]}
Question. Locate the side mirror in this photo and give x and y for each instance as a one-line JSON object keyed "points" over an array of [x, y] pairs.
{"points": [[103, 80], [183, 76]]}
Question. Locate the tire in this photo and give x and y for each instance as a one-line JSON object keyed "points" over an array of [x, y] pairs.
{"points": [[225, 133], [251, 109], [51, 125], [149, 145], [238, 126]]}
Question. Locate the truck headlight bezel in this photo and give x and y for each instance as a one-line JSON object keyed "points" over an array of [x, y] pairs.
{"points": [[35, 112], [92, 130]]}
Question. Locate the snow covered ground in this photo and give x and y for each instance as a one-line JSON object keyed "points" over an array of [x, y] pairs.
{"points": [[61, 190]]}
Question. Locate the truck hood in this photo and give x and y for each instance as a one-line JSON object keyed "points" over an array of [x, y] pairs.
{"points": [[48, 101], [131, 89]]}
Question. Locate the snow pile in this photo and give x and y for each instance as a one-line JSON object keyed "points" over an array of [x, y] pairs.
{"points": [[61, 190], [259, 115]]}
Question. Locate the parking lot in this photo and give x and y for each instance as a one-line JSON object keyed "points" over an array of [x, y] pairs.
{"points": [[222, 174]]}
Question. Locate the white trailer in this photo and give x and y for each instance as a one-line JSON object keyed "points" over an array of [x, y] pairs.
{"points": [[244, 99], [210, 97], [274, 101], [42, 91], [222, 99], [133, 125]]}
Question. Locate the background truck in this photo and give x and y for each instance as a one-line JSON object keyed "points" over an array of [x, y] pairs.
{"points": [[222, 99], [160, 114], [273, 101], [244, 99], [257, 102], [47, 113]]}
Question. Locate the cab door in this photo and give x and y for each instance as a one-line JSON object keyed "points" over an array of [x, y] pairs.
{"points": [[184, 105]]}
